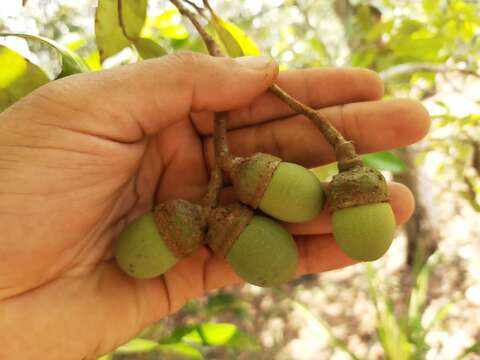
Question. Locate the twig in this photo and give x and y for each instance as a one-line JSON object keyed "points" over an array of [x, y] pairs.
{"points": [[122, 22], [212, 47], [206, 3], [212, 197], [409, 68], [344, 150], [197, 8], [223, 156]]}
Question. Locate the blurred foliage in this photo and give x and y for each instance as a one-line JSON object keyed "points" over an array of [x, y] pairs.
{"points": [[420, 49]]}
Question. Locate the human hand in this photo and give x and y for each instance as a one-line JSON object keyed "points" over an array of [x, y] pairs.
{"points": [[83, 156]]}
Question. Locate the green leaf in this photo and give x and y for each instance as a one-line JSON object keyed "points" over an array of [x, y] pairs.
{"points": [[323, 173], [133, 15], [180, 351], [232, 47], [108, 33], [363, 58], [136, 346], [431, 6], [384, 161], [21, 78], [227, 302], [113, 30], [106, 357], [169, 25], [235, 41], [214, 334], [217, 333], [71, 62], [147, 48], [392, 337]]}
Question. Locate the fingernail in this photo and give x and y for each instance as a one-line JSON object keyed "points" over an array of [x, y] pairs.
{"points": [[255, 62]]}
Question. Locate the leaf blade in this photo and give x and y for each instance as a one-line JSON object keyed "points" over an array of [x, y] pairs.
{"points": [[148, 49], [384, 160], [109, 36], [72, 63], [22, 78]]}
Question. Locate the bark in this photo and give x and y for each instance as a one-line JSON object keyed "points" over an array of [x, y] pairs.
{"points": [[422, 235]]}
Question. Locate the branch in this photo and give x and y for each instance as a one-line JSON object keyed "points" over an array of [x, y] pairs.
{"points": [[344, 150], [121, 21], [212, 47], [212, 197], [197, 8], [408, 68], [223, 156]]}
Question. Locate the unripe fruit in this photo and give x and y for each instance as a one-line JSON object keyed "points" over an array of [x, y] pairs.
{"points": [[153, 243], [259, 249], [363, 221], [364, 232], [283, 190], [141, 251]]}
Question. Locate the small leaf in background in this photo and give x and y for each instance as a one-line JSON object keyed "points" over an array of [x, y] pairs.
{"points": [[169, 25], [134, 13], [93, 60], [325, 172], [431, 6], [179, 351], [225, 302], [248, 46], [385, 160], [230, 44], [220, 334], [71, 62], [22, 78], [137, 345], [147, 48], [234, 40], [217, 333], [106, 357], [108, 33]]}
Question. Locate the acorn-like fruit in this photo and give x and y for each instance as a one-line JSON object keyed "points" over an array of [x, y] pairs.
{"points": [[154, 242], [259, 249], [285, 191], [363, 221]]}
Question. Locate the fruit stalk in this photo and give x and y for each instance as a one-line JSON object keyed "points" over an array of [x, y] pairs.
{"points": [[345, 153], [363, 221], [223, 157]]}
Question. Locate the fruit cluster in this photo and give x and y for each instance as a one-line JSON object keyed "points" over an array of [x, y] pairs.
{"points": [[258, 248]]}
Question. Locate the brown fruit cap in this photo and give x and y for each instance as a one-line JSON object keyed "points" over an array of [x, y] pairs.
{"points": [[225, 225], [358, 186], [251, 176], [180, 224]]}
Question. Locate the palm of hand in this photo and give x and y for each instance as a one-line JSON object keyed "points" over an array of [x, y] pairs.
{"points": [[80, 187]]}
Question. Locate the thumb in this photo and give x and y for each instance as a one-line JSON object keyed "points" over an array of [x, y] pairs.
{"points": [[130, 101]]}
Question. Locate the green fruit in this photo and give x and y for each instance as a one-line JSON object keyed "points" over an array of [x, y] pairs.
{"points": [[364, 232], [259, 249], [294, 194], [153, 243], [140, 250], [285, 191], [264, 254]]}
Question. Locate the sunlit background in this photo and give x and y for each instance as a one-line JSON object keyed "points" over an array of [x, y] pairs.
{"points": [[422, 301]]}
